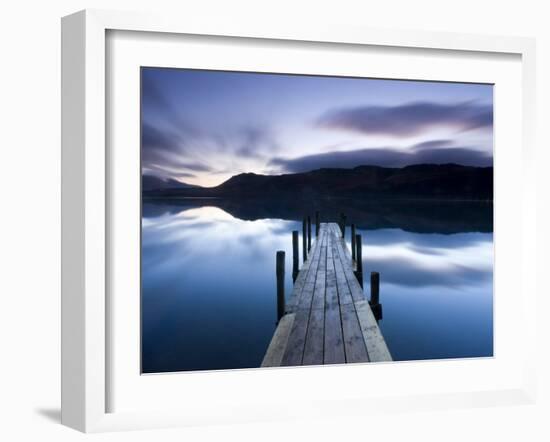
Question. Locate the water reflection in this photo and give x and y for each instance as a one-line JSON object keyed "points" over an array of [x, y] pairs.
{"points": [[430, 260], [209, 292], [411, 216]]}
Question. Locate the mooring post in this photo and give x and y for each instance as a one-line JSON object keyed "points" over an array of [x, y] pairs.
{"points": [[308, 233], [343, 224], [280, 271], [359, 260], [304, 238], [344, 218], [353, 242], [374, 288], [295, 255], [317, 223], [374, 302]]}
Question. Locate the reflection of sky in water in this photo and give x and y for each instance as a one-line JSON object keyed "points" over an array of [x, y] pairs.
{"points": [[209, 300], [436, 292], [209, 289]]}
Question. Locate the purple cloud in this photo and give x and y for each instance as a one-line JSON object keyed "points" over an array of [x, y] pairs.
{"points": [[432, 144], [384, 157], [408, 119]]}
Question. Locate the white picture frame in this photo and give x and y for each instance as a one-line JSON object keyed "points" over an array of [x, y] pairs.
{"points": [[85, 210]]}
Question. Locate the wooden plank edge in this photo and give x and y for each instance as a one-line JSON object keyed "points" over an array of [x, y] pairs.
{"points": [[377, 348], [274, 354], [341, 242]]}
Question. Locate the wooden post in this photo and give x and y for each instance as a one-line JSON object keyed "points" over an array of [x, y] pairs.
{"points": [[280, 271], [295, 255], [374, 302], [317, 223], [344, 226], [353, 242], [359, 271], [304, 238], [374, 288], [308, 233]]}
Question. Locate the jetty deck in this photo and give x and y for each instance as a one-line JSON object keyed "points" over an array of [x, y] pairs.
{"points": [[327, 319]]}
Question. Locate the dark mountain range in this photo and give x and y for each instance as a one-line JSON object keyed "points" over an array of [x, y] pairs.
{"points": [[153, 183], [424, 181]]}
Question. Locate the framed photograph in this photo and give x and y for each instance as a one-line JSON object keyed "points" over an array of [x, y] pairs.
{"points": [[266, 222]]}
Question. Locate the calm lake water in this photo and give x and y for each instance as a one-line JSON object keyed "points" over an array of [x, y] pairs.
{"points": [[208, 278]]}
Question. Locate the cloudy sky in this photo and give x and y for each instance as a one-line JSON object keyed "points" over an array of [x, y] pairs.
{"points": [[202, 127]]}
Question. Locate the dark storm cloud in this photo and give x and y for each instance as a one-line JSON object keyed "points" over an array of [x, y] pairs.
{"points": [[408, 119], [385, 157]]}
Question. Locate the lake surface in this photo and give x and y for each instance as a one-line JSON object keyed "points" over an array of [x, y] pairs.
{"points": [[209, 288]]}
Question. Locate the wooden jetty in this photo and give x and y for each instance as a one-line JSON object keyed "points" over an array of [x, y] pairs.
{"points": [[327, 319]]}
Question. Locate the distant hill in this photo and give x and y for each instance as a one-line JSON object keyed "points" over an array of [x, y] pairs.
{"points": [[153, 183], [424, 181]]}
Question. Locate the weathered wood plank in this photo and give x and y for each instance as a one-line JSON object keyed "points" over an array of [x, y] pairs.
{"points": [[303, 273], [342, 245], [307, 292], [294, 350], [354, 286], [318, 300], [334, 340], [345, 254], [344, 292], [314, 350], [332, 321], [274, 355], [377, 348], [300, 282], [306, 297], [331, 291], [354, 343]]}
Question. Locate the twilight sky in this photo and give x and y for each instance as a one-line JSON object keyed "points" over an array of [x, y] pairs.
{"points": [[202, 127]]}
